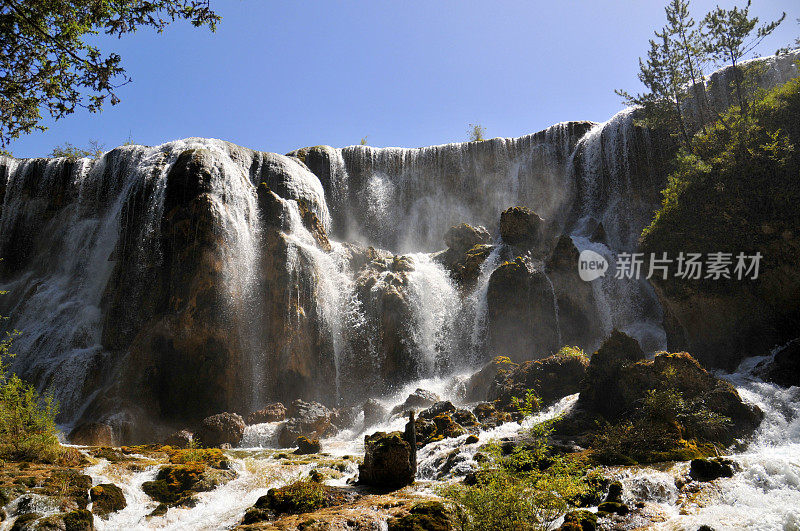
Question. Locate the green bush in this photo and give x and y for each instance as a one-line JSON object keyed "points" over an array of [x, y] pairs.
{"points": [[27, 421], [71, 151], [741, 181], [526, 487]]}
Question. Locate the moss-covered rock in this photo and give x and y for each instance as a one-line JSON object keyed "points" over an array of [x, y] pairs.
{"points": [[579, 521], [307, 446], [426, 516], [80, 520], [710, 469], [296, 498], [521, 226], [177, 484], [387, 461], [551, 378], [107, 498]]}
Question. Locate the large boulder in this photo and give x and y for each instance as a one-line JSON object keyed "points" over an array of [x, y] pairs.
{"points": [[274, 412], [577, 311], [387, 461], [374, 412], [521, 226], [419, 399], [107, 498], [551, 378], [619, 380], [710, 469], [479, 385], [465, 265], [179, 439], [463, 237], [602, 388], [219, 429], [785, 366], [381, 289], [308, 419], [522, 322]]}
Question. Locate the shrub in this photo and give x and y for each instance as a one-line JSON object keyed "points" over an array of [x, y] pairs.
{"points": [[296, 498], [27, 421], [526, 487], [71, 151], [476, 133], [574, 352]]}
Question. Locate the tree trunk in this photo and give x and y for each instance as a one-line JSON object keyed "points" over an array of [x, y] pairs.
{"points": [[698, 102]]}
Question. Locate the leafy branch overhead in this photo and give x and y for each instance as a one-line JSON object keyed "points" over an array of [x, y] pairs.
{"points": [[46, 65]]}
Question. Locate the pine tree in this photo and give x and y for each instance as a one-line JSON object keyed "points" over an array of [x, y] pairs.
{"points": [[664, 77], [731, 35], [686, 37]]}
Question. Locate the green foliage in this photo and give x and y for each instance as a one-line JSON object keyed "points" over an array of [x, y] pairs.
{"points": [[27, 421], [741, 181], [297, 498], [731, 34], [573, 352], [476, 133], [528, 405], [526, 487], [46, 63], [70, 151], [666, 427], [676, 59]]}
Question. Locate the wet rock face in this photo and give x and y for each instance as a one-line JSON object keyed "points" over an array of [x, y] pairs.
{"points": [[387, 461], [785, 367], [223, 428], [577, 310], [382, 291], [522, 320], [92, 434]]}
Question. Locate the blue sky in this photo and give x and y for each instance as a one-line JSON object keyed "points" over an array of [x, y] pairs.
{"points": [[281, 75]]}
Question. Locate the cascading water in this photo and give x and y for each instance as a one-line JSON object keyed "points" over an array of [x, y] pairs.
{"points": [[434, 301], [763, 494]]}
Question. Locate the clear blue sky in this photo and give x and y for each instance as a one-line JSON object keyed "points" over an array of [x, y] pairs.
{"points": [[281, 75]]}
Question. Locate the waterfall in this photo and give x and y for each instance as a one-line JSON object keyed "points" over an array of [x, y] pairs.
{"points": [[406, 199], [434, 301], [75, 232]]}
